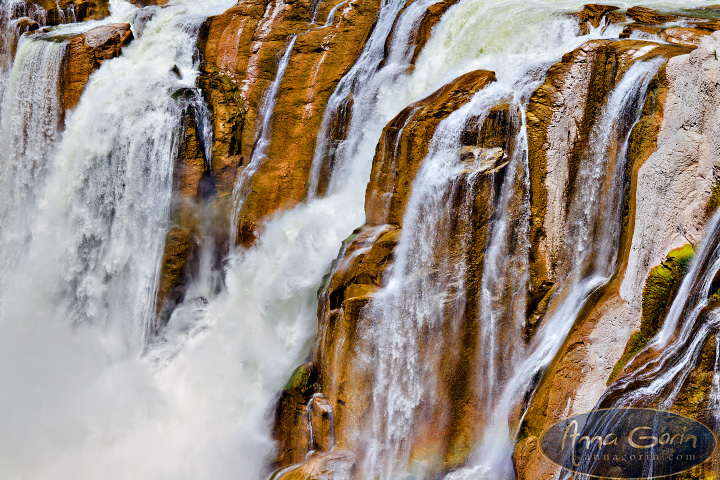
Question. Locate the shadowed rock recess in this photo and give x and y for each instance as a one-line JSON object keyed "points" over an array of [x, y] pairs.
{"points": [[534, 192]]}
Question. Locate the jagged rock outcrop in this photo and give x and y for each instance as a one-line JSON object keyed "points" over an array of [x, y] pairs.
{"points": [[85, 54], [192, 182], [338, 465], [645, 23], [405, 143], [671, 176], [561, 114], [241, 48]]}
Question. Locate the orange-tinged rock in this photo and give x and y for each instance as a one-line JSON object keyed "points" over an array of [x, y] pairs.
{"points": [[576, 378], [592, 15], [649, 16], [404, 144], [338, 465], [66, 11], [85, 54], [684, 36], [241, 49], [340, 351], [292, 421]]}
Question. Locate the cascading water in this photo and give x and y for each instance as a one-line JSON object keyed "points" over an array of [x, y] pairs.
{"points": [[87, 403], [659, 380], [28, 131], [265, 114], [594, 226]]}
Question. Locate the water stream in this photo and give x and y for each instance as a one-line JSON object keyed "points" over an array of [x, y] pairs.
{"points": [[84, 393]]}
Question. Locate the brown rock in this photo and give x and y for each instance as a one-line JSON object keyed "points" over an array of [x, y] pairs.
{"points": [[560, 117], [358, 271], [421, 35], [559, 393], [592, 15], [649, 16], [292, 422], [338, 465], [191, 179], [322, 423], [65, 11], [178, 246], [241, 55], [686, 37], [404, 145], [148, 3], [85, 54]]}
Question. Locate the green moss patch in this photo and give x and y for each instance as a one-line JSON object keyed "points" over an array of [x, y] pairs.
{"points": [[714, 201], [301, 379], [660, 290], [636, 343]]}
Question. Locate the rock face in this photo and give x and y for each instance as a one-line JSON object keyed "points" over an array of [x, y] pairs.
{"points": [[85, 54], [338, 465], [357, 273], [241, 49], [49, 12], [671, 181], [190, 217]]}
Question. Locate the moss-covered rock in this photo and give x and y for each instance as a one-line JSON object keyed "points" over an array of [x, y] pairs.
{"points": [[714, 201], [292, 428], [660, 290], [636, 343], [661, 287]]}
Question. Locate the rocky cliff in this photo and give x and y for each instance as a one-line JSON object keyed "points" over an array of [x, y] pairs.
{"points": [[604, 170], [669, 179]]}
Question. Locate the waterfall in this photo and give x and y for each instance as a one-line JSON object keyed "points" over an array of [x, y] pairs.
{"points": [[84, 394], [594, 223], [265, 114], [29, 129], [678, 343], [76, 302], [658, 381]]}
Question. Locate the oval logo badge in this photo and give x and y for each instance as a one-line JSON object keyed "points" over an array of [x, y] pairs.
{"points": [[628, 443]]}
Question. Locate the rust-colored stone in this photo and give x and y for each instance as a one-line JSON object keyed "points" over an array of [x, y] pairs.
{"points": [[404, 144], [85, 54]]}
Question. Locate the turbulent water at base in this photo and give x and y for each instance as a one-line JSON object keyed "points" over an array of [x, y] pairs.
{"points": [[83, 397]]}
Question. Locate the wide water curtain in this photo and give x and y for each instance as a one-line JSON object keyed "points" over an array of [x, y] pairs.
{"points": [[350, 240]]}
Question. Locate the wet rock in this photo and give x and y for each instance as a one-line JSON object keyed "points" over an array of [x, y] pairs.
{"points": [[574, 91], [340, 352], [241, 52], [148, 3], [322, 423], [649, 16], [292, 423], [183, 239], [26, 24], [338, 465], [49, 12], [86, 52], [404, 144], [688, 37], [592, 15], [561, 114]]}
